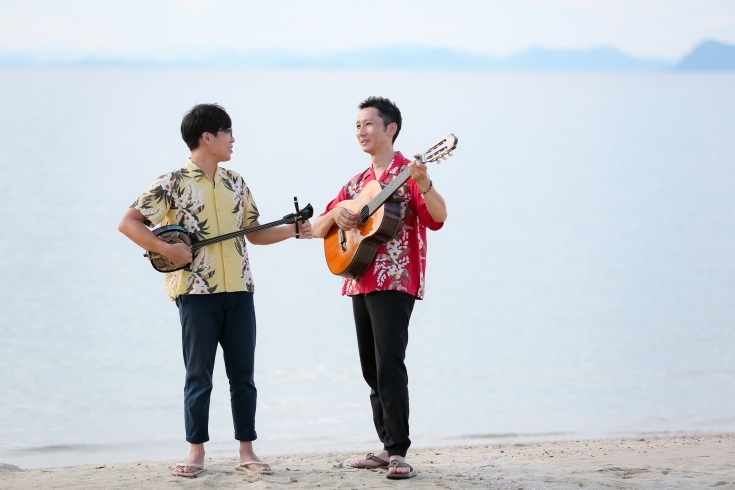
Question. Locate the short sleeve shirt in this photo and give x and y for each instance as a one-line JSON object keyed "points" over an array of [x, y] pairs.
{"points": [[189, 198], [400, 264]]}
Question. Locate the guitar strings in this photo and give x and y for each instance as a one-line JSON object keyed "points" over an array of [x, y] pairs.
{"points": [[401, 178]]}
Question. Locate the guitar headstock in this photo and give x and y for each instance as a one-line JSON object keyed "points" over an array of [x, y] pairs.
{"points": [[441, 149]]}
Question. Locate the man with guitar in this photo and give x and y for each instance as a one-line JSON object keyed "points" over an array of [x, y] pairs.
{"points": [[383, 295], [214, 292]]}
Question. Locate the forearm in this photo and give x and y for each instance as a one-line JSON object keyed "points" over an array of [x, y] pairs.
{"points": [[272, 235], [435, 205], [131, 225], [322, 225]]}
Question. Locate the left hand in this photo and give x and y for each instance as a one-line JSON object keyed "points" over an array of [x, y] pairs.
{"points": [[418, 173], [305, 230]]}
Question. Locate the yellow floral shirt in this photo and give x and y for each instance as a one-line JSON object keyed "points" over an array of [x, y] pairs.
{"points": [[188, 198]]}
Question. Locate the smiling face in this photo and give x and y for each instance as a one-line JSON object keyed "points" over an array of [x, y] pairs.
{"points": [[220, 144], [372, 134]]}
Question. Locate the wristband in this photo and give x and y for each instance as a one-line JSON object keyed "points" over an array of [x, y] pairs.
{"points": [[431, 184]]}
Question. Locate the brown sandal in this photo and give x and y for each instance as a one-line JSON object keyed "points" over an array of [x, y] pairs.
{"points": [[400, 476], [371, 457]]}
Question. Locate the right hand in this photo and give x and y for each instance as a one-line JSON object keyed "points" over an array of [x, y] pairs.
{"points": [[178, 253], [344, 218]]}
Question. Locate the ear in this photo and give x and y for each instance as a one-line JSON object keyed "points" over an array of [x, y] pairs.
{"points": [[391, 129], [205, 138]]}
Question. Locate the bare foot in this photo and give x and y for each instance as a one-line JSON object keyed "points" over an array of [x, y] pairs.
{"points": [[247, 454], [393, 471], [196, 457], [371, 463]]}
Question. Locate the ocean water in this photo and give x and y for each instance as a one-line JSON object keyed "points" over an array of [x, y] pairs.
{"points": [[583, 285]]}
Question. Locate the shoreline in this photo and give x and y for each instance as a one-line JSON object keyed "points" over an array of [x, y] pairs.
{"points": [[696, 461]]}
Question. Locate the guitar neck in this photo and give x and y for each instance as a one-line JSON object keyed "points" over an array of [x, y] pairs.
{"points": [[239, 233], [385, 194]]}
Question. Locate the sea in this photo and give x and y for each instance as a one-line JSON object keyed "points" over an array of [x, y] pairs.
{"points": [[582, 287]]}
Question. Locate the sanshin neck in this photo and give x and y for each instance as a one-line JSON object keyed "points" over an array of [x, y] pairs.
{"points": [[235, 234]]}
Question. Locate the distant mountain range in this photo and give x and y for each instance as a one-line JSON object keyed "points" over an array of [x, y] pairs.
{"points": [[709, 55]]}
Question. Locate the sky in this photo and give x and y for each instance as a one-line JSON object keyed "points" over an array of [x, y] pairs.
{"points": [[162, 29]]}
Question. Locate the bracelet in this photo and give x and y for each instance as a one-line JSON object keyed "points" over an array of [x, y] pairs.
{"points": [[431, 184]]}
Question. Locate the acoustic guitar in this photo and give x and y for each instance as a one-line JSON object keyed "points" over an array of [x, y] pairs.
{"points": [[178, 234], [349, 253]]}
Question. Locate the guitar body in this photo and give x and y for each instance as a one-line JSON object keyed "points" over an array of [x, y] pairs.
{"points": [[350, 253]]}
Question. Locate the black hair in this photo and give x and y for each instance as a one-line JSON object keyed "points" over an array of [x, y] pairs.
{"points": [[203, 118], [387, 110]]}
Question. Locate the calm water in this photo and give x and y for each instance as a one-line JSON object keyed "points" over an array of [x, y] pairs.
{"points": [[584, 285]]}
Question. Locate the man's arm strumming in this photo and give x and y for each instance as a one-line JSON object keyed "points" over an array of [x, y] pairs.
{"points": [[132, 225]]}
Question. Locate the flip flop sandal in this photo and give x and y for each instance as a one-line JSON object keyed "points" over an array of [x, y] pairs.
{"points": [[191, 474], [400, 476], [246, 467], [371, 457]]}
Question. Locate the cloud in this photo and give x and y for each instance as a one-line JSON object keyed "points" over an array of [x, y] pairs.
{"points": [[203, 6], [30, 32]]}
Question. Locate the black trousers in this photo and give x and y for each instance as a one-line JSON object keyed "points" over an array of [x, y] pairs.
{"points": [[381, 321], [227, 319]]}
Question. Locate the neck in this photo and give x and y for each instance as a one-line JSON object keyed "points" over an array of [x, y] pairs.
{"points": [[381, 160], [206, 162]]}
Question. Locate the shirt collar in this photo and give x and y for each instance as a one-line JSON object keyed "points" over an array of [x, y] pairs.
{"points": [[192, 167], [395, 166]]}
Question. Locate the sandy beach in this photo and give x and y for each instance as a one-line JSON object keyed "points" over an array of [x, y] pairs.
{"points": [[645, 462]]}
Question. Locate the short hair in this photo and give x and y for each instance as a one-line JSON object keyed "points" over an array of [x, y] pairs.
{"points": [[203, 118], [387, 110]]}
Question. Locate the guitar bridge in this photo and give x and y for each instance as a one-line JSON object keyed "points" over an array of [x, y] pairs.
{"points": [[342, 240]]}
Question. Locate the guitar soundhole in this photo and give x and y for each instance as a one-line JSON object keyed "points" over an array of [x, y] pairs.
{"points": [[364, 214]]}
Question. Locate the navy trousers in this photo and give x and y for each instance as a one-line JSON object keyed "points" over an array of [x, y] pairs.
{"points": [[381, 321], [227, 319]]}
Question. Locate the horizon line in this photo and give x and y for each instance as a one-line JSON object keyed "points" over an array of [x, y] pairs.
{"points": [[406, 56]]}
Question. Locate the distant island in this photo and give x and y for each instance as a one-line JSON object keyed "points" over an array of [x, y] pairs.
{"points": [[708, 55]]}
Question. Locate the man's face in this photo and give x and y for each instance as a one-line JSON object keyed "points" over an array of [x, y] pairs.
{"points": [[220, 144], [371, 131]]}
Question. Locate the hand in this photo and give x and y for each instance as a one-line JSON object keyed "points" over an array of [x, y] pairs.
{"points": [[305, 230], [344, 218], [178, 253], [419, 174]]}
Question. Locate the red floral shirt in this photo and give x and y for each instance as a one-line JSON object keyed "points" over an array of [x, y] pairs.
{"points": [[400, 264]]}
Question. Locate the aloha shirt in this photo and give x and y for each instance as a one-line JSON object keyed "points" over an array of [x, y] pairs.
{"points": [[400, 264], [189, 198]]}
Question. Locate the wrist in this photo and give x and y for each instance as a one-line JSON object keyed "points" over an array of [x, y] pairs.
{"points": [[428, 188], [161, 247]]}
